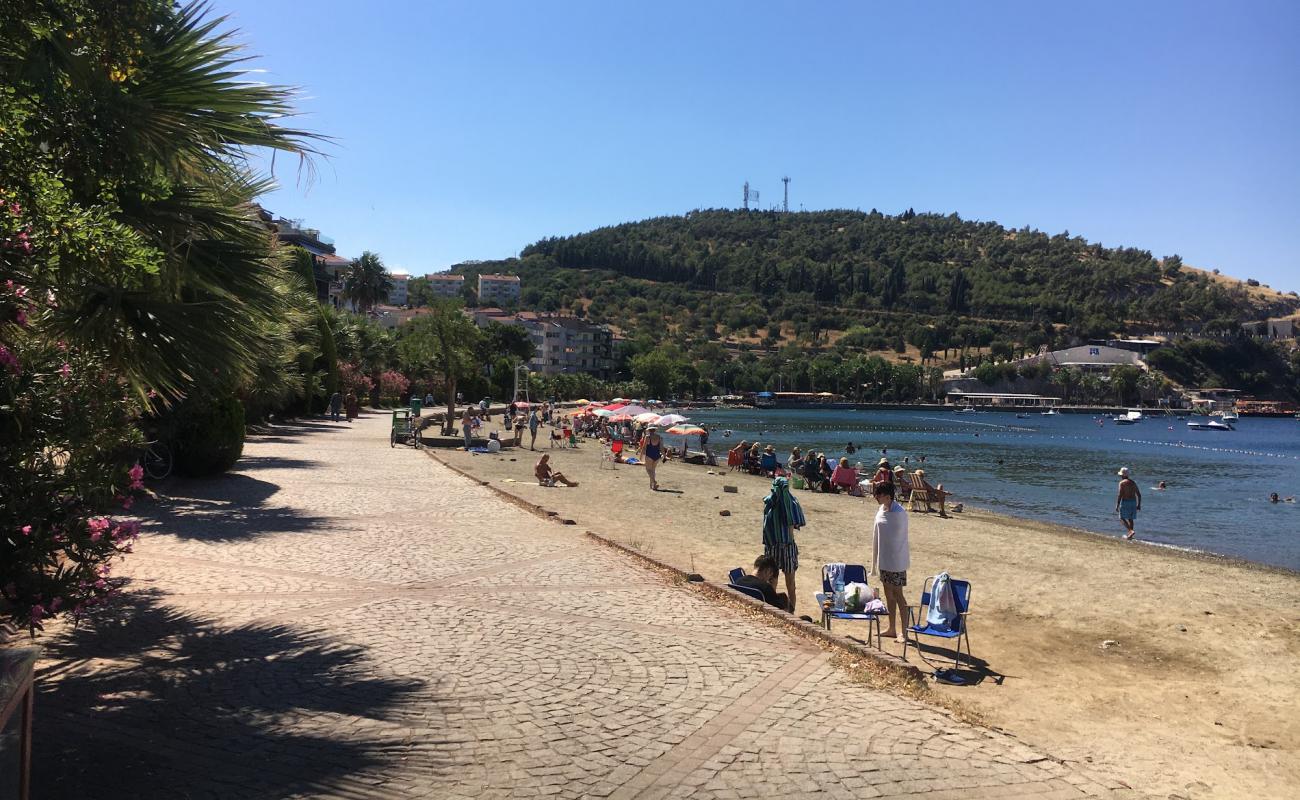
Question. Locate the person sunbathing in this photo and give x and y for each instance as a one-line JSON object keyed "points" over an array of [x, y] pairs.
{"points": [[547, 476], [932, 493], [845, 479]]}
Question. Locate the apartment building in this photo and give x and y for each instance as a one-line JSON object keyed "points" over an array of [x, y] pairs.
{"points": [[498, 289], [444, 284]]}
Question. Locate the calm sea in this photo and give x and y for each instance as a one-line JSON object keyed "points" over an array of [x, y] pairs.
{"points": [[1062, 469]]}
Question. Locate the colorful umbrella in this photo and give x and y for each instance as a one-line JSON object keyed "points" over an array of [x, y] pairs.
{"points": [[583, 402], [633, 411], [604, 412], [620, 418], [647, 418], [670, 419], [685, 430]]}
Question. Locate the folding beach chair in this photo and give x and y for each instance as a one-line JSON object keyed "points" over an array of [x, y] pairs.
{"points": [[768, 465], [961, 591], [736, 574], [853, 573], [734, 461], [919, 498]]}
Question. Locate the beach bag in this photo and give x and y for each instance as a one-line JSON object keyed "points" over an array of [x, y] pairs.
{"points": [[943, 608], [856, 596]]}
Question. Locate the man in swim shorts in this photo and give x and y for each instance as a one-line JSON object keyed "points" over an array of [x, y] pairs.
{"points": [[1129, 502]]}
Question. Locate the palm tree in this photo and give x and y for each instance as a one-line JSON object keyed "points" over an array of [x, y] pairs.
{"points": [[156, 254], [366, 282]]}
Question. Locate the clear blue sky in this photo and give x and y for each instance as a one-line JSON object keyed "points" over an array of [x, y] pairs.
{"points": [[470, 129]]}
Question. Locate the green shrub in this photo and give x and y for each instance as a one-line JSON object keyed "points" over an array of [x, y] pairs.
{"points": [[207, 435]]}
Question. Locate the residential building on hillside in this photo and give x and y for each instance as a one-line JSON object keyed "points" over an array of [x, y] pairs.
{"points": [[1090, 358], [294, 233], [445, 284], [1276, 328], [397, 294], [498, 289], [561, 345]]}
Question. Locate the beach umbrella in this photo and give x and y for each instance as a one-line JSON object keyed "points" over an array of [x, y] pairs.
{"points": [[685, 430], [604, 412], [583, 402], [670, 419], [619, 400], [615, 406], [633, 411], [620, 417], [647, 418]]}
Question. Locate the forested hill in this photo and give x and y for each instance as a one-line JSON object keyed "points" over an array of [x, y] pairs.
{"points": [[923, 263]]}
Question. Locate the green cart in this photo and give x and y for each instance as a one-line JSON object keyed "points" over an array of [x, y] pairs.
{"points": [[406, 429]]}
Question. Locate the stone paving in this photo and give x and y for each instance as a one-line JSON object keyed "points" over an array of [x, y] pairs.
{"points": [[341, 619]]}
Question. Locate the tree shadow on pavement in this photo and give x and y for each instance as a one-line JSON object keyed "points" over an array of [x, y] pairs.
{"points": [[144, 701], [226, 508], [254, 463]]}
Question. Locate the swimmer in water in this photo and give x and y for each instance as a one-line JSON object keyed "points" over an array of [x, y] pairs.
{"points": [[1160, 487], [1273, 498]]}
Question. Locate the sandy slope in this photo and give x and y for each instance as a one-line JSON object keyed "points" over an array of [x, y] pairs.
{"points": [[1199, 698]]}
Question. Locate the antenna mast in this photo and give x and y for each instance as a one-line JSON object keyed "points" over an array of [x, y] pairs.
{"points": [[785, 205], [746, 195]]}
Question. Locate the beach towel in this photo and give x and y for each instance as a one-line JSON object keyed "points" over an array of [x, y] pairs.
{"points": [[781, 515], [943, 608]]}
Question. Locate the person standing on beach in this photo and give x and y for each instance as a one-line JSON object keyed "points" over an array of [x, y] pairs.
{"points": [[1128, 502], [652, 452], [467, 427], [891, 556], [782, 514], [534, 422]]}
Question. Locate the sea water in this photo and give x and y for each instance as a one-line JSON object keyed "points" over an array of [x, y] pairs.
{"points": [[1062, 468]]}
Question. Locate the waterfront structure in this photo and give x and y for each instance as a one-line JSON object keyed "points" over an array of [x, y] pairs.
{"points": [[1002, 399], [1090, 358], [498, 289], [446, 284]]}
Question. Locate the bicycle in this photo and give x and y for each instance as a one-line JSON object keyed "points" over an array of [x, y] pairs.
{"points": [[156, 458]]}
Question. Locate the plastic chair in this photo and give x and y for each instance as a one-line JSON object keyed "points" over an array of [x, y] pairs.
{"points": [[748, 591], [853, 573], [734, 460], [961, 592], [736, 574]]}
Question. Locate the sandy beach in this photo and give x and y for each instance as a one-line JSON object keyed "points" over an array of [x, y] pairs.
{"points": [[1175, 670]]}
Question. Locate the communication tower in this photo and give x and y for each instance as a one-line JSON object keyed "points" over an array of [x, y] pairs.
{"points": [[785, 204], [746, 195]]}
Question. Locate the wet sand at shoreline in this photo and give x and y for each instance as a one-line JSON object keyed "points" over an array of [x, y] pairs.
{"points": [[1174, 669]]}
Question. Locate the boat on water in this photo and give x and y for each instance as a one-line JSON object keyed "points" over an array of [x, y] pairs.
{"points": [[1051, 412], [1230, 417], [965, 410], [1022, 416], [1131, 418], [1210, 425]]}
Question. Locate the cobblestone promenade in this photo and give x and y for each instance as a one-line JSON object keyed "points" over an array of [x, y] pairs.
{"points": [[341, 619]]}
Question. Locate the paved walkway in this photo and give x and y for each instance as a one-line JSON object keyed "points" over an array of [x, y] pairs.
{"points": [[341, 619]]}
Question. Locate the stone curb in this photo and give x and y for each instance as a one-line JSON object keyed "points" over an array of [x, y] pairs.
{"points": [[890, 662]]}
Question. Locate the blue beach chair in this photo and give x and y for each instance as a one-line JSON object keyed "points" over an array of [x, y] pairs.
{"points": [[749, 591], [853, 573], [961, 591]]}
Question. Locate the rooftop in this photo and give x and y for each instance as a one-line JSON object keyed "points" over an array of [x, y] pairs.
{"points": [[514, 278], [445, 276]]}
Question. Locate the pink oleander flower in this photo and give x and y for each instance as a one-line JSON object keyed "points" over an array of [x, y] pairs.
{"points": [[15, 209], [136, 474], [127, 501], [21, 318], [19, 291], [101, 584], [9, 360], [65, 370], [97, 526], [27, 530]]}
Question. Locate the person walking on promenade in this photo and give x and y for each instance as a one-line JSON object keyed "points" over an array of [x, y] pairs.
{"points": [[652, 452], [351, 406], [534, 422], [1128, 502], [782, 515], [891, 556], [336, 405], [467, 426]]}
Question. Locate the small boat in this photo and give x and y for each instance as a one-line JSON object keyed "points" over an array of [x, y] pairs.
{"points": [[1230, 417], [965, 410], [1131, 418], [1210, 425], [1022, 416], [1051, 412]]}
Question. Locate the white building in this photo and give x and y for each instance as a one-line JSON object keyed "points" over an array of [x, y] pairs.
{"points": [[498, 289], [397, 294], [445, 284]]}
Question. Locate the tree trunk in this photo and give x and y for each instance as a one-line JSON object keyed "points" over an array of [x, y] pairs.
{"points": [[450, 420]]}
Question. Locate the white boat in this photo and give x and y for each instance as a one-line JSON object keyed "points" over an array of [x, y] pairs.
{"points": [[1051, 412], [1131, 418], [1230, 417], [965, 410], [1210, 425]]}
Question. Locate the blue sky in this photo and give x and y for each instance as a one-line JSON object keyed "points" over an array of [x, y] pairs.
{"points": [[470, 129]]}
